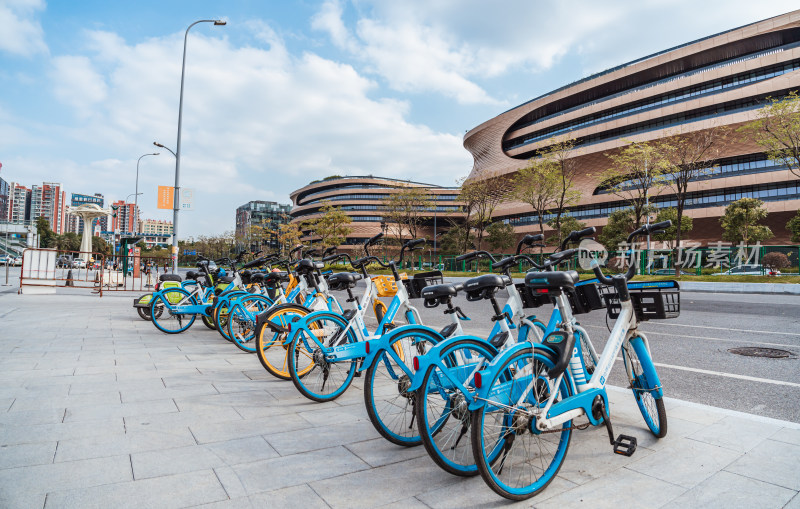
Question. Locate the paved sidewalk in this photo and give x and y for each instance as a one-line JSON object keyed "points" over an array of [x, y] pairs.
{"points": [[98, 409]]}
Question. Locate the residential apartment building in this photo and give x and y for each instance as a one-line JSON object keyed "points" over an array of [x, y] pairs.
{"points": [[19, 203], [126, 215], [265, 214], [50, 201], [155, 232]]}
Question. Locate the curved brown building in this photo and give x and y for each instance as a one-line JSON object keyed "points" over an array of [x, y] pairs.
{"points": [[361, 197], [718, 80]]}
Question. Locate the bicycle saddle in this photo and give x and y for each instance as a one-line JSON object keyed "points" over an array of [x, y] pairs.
{"points": [[343, 280], [258, 277], [169, 277], [193, 275], [552, 281], [306, 266], [484, 287], [440, 293], [273, 278]]}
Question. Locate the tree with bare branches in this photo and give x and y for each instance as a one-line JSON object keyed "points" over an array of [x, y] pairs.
{"points": [[406, 210], [481, 197], [688, 157], [777, 131], [561, 154], [538, 186]]}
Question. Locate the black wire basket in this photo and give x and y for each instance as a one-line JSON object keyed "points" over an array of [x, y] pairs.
{"points": [[652, 300]]}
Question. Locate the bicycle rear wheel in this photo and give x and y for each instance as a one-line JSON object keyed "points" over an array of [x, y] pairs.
{"points": [[646, 385], [272, 347], [513, 457], [242, 321], [389, 404], [316, 377], [442, 408], [172, 322]]}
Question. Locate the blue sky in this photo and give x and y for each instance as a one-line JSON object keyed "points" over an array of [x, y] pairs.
{"points": [[292, 91]]}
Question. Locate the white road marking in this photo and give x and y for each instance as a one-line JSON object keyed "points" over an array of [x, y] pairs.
{"points": [[727, 375], [727, 329], [647, 332]]}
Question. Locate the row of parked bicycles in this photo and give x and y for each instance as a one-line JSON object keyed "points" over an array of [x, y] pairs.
{"points": [[503, 405]]}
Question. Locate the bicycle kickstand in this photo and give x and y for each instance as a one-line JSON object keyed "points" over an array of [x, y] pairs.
{"points": [[623, 444]]}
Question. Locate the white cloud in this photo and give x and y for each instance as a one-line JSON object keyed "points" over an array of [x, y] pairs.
{"points": [[258, 122], [21, 32], [329, 19]]}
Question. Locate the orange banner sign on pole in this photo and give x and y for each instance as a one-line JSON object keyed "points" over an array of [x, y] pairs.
{"points": [[165, 197]]}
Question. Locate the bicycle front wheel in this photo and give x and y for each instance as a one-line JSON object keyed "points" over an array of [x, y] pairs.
{"points": [[313, 373], [272, 347], [389, 404], [442, 407], [165, 310], [242, 321], [513, 457], [646, 385]]}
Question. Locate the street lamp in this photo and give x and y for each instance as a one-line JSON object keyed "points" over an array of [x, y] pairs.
{"points": [[177, 190], [136, 199]]}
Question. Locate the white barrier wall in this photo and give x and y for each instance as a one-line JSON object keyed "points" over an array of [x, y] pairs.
{"points": [[38, 271]]}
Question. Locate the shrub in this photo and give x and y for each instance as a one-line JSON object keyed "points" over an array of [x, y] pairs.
{"points": [[775, 261]]}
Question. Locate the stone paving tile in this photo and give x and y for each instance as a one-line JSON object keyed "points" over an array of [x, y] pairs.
{"points": [[200, 457], [206, 432], [473, 492], [724, 490], [789, 436], [310, 439], [22, 455], [183, 419], [27, 402], [685, 463], [772, 462], [379, 451], [625, 488], [68, 475], [383, 485], [46, 415], [335, 414], [130, 442], [296, 469], [735, 433], [793, 503], [10, 435], [173, 491], [24, 499], [179, 392], [406, 503], [89, 413]]}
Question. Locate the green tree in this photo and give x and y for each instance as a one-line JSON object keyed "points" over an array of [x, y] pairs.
{"points": [[47, 237], [568, 224], [777, 130], [670, 235], [457, 240], [68, 242], [794, 227], [620, 224], [636, 174], [288, 236], [333, 226], [99, 245], [500, 236], [740, 221]]}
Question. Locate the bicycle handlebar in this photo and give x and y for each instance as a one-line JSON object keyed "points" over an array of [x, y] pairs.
{"points": [[475, 254], [528, 240], [371, 241], [642, 230], [575, 236]]}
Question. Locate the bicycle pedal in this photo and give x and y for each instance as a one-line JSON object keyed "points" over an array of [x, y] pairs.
{"points": [[625, 445]]}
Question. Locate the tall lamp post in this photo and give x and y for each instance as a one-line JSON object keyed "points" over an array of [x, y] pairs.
{"points": [[177, 190], [136, 199]]}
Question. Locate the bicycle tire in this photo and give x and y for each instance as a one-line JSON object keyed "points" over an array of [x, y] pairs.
{"points": [[442, 413], [272, 347], [242, 332], [144, 313], [164, 321], [494, 443], [644, 381], [208, 322], [389, 404], [220, 315], [309, 369]]}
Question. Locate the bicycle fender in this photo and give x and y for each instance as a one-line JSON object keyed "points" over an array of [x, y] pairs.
{"points": [[488, 373], [434, 356], [384, 342], [262, 317]]}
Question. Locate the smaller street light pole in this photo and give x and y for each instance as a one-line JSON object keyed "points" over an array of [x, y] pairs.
{"points": [[136, 198]]}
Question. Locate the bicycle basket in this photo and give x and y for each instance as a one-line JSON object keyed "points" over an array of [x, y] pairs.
{"points": [[386, 285], [652, 300], [585, 297], [415, 285]]}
